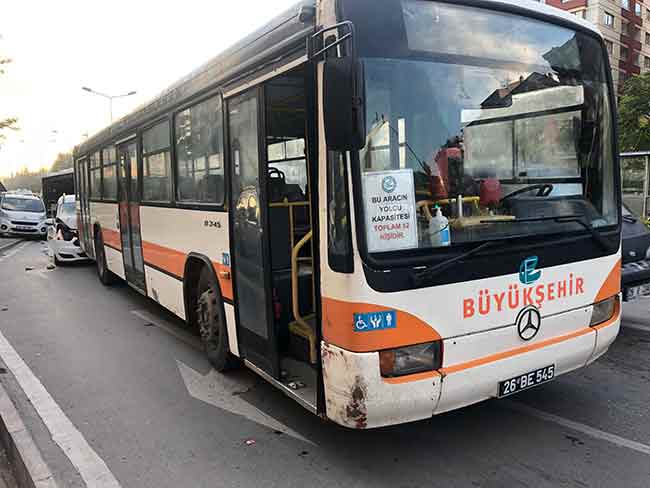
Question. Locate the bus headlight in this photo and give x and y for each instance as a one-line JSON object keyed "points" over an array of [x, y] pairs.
{"points": [[603, 311], [410, 359]]}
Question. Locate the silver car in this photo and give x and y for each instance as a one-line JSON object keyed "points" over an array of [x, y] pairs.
{"points": [[22, 214], [62, 236]]}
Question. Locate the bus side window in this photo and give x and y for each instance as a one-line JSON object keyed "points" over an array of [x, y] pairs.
{"points": [[339, 237]]}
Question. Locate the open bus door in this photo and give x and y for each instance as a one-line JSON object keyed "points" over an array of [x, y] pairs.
{"points": [[85, 231], [249, 242], [129, 212]]}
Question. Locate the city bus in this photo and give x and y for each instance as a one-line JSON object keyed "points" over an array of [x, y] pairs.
{"points": [[388, 209]]}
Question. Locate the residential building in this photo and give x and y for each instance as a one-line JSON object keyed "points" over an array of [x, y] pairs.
{"points": [[625, 24]]}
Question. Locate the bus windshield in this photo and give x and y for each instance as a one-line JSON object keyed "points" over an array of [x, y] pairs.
{"points": [[482, 125]]}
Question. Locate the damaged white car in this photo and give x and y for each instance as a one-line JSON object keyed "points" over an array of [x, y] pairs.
{"points": [[62, 235]]}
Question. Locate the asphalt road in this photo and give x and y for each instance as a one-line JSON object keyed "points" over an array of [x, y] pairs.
{"points": [[120, 381]]}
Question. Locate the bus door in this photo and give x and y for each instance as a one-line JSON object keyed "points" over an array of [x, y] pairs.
{"points": [[85, 228], [249, 242], [129, 212]]}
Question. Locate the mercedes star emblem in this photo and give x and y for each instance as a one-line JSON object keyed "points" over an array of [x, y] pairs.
{"points": [[528, 322]]}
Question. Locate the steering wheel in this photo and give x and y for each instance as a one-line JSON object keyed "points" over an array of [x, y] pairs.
{"points": [[543, 190]]}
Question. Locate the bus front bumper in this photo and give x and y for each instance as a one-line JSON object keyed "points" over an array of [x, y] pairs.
{"points": [[358, 397]]}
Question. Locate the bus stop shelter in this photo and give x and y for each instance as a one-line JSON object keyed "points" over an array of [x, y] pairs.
{"points": [[635, 179]]}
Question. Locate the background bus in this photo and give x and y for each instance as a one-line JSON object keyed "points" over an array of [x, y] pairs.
{"points": [[285, 200], [56, 184]]}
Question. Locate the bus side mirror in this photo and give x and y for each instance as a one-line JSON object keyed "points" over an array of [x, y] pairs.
{"points": [[344, 110]]}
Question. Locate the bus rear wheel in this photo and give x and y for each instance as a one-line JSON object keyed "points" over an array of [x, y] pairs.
{"points": [[212, 324], [105, 275]]}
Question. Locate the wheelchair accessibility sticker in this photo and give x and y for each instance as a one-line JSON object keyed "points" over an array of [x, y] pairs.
{"points": [[367, 322]]}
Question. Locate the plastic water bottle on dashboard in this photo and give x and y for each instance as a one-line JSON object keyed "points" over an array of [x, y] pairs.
{"points": [[439, 229]]}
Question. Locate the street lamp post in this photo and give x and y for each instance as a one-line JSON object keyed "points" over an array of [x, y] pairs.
{"points": [[109, 97]]}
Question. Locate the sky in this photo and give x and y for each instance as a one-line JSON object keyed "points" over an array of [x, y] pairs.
{"points": [[113, 47]]}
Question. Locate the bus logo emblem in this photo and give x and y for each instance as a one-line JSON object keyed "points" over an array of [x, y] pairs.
{"points": [[389, 183], [528, 272], [528, 322]]}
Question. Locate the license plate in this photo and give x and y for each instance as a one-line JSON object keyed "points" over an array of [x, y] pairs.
{"points": [[525, 381], [637, 292]]}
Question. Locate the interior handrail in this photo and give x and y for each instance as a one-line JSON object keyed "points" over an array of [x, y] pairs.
{"points": [[294, 278]]}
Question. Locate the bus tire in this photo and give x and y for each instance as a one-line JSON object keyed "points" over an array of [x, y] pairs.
{"points": [[106, 276], [211, 321]]}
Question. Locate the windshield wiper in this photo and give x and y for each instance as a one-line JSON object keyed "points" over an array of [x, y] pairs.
{"points": [[429, 273], [561, 219]]}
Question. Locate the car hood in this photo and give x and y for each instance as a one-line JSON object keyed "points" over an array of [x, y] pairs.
{"points": [[70, 222], [636, 241]]}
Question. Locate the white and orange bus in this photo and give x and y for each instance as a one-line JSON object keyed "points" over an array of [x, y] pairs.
{"points": [[389, 209]]}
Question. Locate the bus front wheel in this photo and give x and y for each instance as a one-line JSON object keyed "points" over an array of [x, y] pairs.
{"points": [[211, 321]]}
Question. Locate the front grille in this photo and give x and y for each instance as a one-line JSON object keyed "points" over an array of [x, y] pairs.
{"points": [[22, 222], [23, 230]]}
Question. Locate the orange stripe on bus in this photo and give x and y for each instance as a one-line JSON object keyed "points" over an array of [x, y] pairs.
{"points": [[171, 261], [532, 347], [224, 283], [411, 377], [338, 328], [165, 258], [612, 285], [112, 238]]}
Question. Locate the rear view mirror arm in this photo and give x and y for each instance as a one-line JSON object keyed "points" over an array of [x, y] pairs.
{"points": [[349, 36]]}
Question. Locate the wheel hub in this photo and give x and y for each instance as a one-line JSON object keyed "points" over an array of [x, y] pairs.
{"points": [[207, 317]]}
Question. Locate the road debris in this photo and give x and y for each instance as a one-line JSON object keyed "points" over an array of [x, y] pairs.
{"points": [[296, 385]]}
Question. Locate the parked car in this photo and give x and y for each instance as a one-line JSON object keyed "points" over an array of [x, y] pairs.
{"points": [[636, 256], [22, 214], [62, 235]]}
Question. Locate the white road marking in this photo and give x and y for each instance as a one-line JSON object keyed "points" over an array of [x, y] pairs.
{"points": [[91, 467], [578, 427], [221, 391], [224, 392]]}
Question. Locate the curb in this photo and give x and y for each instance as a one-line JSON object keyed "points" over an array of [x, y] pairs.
{"points": [[24, 456]]}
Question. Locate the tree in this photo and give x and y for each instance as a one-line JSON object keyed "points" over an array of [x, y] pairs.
{"points": [[25, 179], [62, 161], [634, 114]]}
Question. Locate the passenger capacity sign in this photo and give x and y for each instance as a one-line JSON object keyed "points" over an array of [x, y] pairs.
{"points": [[389, 199]]}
